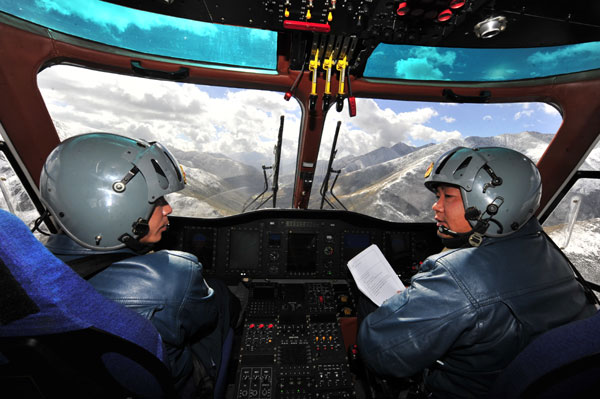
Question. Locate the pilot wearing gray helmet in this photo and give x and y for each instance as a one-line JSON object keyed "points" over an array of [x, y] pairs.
{"points": [[107, 194], [501, 282]]}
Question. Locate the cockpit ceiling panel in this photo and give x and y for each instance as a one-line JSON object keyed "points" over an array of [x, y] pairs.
{"points": [[448, 23]]}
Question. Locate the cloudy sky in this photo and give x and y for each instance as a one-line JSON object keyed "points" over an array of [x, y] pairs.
{"points": [[241, 122]]}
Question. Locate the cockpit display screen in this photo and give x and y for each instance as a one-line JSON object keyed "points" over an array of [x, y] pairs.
{"points": [[244, 249], [200, 242], [302, 252], [354, 243], [398, 249], [274, 240], [263, 293]]}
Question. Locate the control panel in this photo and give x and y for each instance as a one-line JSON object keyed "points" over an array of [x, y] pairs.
{"points": [[276, 244], [300, 319], [292, 344]]}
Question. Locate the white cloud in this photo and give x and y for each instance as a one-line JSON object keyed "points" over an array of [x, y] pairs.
{"points": [[548, 109], [448, 119], [428, 134], [228, 121], [375, 127], [386, 126], [526, 113], [488, 118], [189, 117]]}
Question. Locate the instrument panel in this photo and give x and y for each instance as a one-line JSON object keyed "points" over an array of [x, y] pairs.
{"points": [[292, 342], [300, 321], [298, 244]]}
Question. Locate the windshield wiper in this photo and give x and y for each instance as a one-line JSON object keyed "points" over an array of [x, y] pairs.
{"points": [[330, 170], [6, 195], [275, 167], [277, 161]]}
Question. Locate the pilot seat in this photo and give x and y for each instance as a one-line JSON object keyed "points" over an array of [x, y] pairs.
{"points": [[61, 338]]}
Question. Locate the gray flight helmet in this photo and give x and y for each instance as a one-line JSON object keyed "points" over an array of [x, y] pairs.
{"points": [[501, 188], [100, 187]]}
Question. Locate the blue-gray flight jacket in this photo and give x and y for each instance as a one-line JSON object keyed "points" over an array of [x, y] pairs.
{"points": [[470, 311], [167, 288]]}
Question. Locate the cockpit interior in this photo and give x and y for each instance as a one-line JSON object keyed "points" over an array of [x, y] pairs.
{"points": [[309, 177]]}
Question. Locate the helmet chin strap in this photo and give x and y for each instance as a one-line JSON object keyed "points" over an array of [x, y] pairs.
{"points": [[475, 236], [140, 228], [134, 244]]}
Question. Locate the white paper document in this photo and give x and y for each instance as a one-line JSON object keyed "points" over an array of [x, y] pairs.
{"points": [[374, 275]]}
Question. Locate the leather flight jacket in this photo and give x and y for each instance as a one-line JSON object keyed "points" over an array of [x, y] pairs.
{"points": [[470, 311], [166, 287]]}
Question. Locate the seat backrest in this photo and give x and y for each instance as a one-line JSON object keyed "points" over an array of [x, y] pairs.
{"points": [[561, 363], [55, 319]]}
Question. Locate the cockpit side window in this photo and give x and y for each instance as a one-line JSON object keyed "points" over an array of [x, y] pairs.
{"points": [[13, 195], [574, 225]]}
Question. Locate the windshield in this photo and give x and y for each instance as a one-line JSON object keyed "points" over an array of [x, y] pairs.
{"points": [[226, 140]]}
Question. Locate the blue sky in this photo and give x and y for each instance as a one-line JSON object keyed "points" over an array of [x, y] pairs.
{"points": [[490, 119], [384, 123]]}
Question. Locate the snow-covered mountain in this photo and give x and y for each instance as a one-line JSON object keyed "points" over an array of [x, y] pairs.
{"points": [[581, 247], [393, 189], [216, 184], [13, 196], [380, 155], [386, 183]]}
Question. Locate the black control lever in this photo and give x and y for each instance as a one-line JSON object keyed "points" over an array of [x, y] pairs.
{"points": [[339, 103], [326, 102]]}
